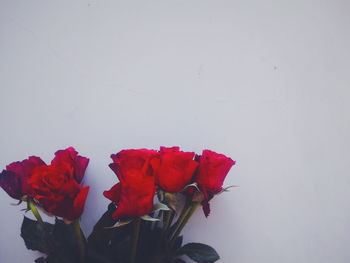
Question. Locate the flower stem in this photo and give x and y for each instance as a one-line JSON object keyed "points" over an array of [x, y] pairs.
{"points": [[168, 216], [134, 239], [186, 214], [162, 242], [46, 234], [160, 215], [80, 239], [36, 213], [180, 219]]}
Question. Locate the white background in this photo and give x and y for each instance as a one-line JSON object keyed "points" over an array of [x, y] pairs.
{"points": [[265, 82]]}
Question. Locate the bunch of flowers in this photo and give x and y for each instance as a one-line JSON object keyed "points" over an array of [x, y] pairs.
{"points": [[157, 193]]}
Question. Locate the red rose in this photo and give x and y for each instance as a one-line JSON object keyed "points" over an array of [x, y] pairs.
{"points": [[174, 169], [57, 186], [213, 168], [134, 193], [14, 180], [57, 191]]}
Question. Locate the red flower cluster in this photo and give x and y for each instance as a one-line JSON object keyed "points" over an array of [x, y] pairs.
{"points": [[143, 175], [56, 187], [141, 172]]}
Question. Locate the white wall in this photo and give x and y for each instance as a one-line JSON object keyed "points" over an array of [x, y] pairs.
{"points": [[266, 82]]}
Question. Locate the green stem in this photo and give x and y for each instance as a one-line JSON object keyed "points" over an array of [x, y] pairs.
{"points": [[149, 224], [180, 219], [135, 238], [172, 216], [185, 217], [46, 238], [36, 213], [160, 215], [80, 239], [168, 216]]}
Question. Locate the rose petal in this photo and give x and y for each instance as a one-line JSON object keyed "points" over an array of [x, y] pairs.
{"points": [[113, 194], [70, 157], [11, 183], [79, 203], [25, 167]]}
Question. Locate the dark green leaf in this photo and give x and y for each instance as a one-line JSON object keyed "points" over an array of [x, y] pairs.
{"points": [[108, 245], [97, 257], [100, 236], [35, 237], [65, 235], [178, 242], [40, 260], [57, 241], [53, 259], [200, 253], [66, 244]]}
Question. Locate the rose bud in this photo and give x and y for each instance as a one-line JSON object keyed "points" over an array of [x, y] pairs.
{"points": [[134, 193], [212, 171], [173, 169]]}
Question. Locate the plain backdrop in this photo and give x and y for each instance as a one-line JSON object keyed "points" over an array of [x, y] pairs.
{"points": [[265, 82]]}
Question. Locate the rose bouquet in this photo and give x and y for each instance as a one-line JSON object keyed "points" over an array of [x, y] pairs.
{"points": [[157, 193]]}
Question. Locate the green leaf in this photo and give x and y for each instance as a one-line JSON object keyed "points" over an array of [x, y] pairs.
{"points": [[65, 235], [57, 241], [40, 260], [227, 189], [94, 256], [34, 235], [178, 242], [19, 202], [119, 224], [66, 244], [149, 218], [195, 185], [51, 259], [171, 200], [161, 207], [198, 252], [101, 236]]}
